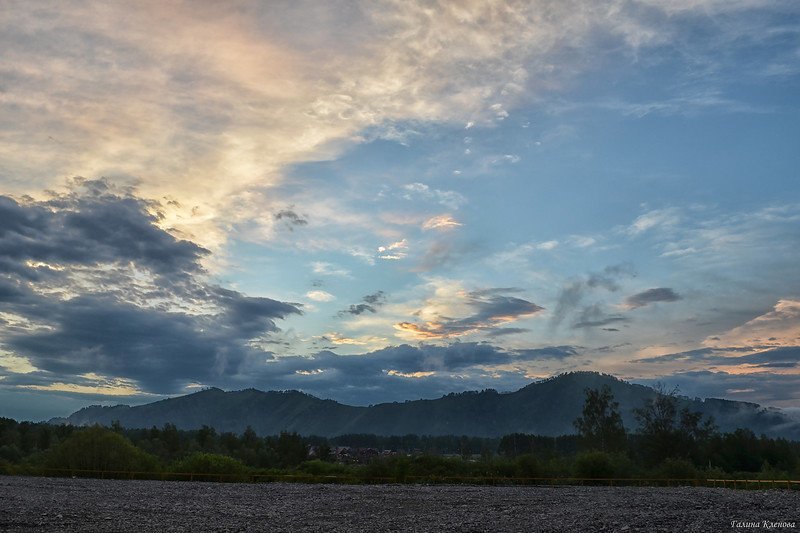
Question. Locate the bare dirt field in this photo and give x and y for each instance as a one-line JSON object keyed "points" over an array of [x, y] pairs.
{"points": [[57, 504]]}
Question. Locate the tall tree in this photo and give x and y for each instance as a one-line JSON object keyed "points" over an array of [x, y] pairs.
{"points": [[667, 431], [600, 426]]}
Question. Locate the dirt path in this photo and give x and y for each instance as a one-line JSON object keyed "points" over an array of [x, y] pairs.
{"points": [[48, 504]]}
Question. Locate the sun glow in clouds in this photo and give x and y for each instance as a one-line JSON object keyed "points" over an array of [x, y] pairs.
{"points": [[197, 194]]}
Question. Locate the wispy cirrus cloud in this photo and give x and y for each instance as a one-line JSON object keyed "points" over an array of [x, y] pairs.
{"points": [[263, 98], [393, 251], [421, 191], [324, 268], [441, 223]]}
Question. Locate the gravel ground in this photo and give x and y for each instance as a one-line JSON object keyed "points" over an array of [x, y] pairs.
{"points": [[51, 504]]}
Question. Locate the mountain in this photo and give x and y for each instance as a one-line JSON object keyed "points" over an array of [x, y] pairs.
{"points": [[546, 407]]}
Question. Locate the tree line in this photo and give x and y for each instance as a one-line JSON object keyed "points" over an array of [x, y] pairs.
{"points": [[668, 443]]}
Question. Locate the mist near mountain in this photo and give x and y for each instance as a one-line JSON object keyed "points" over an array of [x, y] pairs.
{"points": [[546, 407]]}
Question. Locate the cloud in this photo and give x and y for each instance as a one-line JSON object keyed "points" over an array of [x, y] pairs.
{"points": [[502, 332], [285, 84], [594, 316], [441, 222], [765, 388], [547, 245], [420, 191], [581, 241], [394, 251], [550, 352], [778, 327], [490, 309], [93, 286], [705, 239], [327, 269], [365, 340], [572, 294], [91, 224], [291, 218], [369, 304], [661, 294], [402, 372], [658, 218], [438, 254], [320, 296]]}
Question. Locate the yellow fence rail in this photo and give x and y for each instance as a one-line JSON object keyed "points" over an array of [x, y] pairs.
{"points": [[430, 479]]}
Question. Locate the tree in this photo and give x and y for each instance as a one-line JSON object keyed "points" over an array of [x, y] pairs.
{"points": [[206, 437], [171, 438], [291, 449], [600, 426], [668, 432], [100, 449]]}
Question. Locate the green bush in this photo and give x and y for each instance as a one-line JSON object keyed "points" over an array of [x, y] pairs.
{"points": [[212, 466], [323, 468], [527, 466], [435, 466], [10, 453], [594, 465], [717, 473], [500, 467], [677, 469], [770, 472], [99, 449]]}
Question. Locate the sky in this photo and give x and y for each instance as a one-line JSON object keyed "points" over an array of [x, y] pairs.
{"points": [[389, 200]]}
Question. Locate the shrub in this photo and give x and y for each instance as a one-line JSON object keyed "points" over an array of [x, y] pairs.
{"points": [[501, 467], [99, 449], [434, 466], [5, 468], [594, 465], [677, 469], [323, 468], [212, 466], [527, 466], [10, 453]]}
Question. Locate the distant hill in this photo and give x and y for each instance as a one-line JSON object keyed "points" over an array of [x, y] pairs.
{"points": [[546, 407]]}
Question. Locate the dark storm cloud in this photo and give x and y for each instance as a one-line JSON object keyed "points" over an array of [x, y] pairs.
{"points": [[10, 291], [404, 372], [158, 349], [491, 309], [101, 289], [369, 304], [572, 294], [88, 230], [249, 316], [661, 294]]}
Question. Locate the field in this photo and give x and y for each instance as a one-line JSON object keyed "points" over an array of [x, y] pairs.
{"points": [[59, 504]]}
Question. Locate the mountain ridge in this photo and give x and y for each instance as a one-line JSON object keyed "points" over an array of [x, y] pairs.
{"points": [[546, 407]]}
